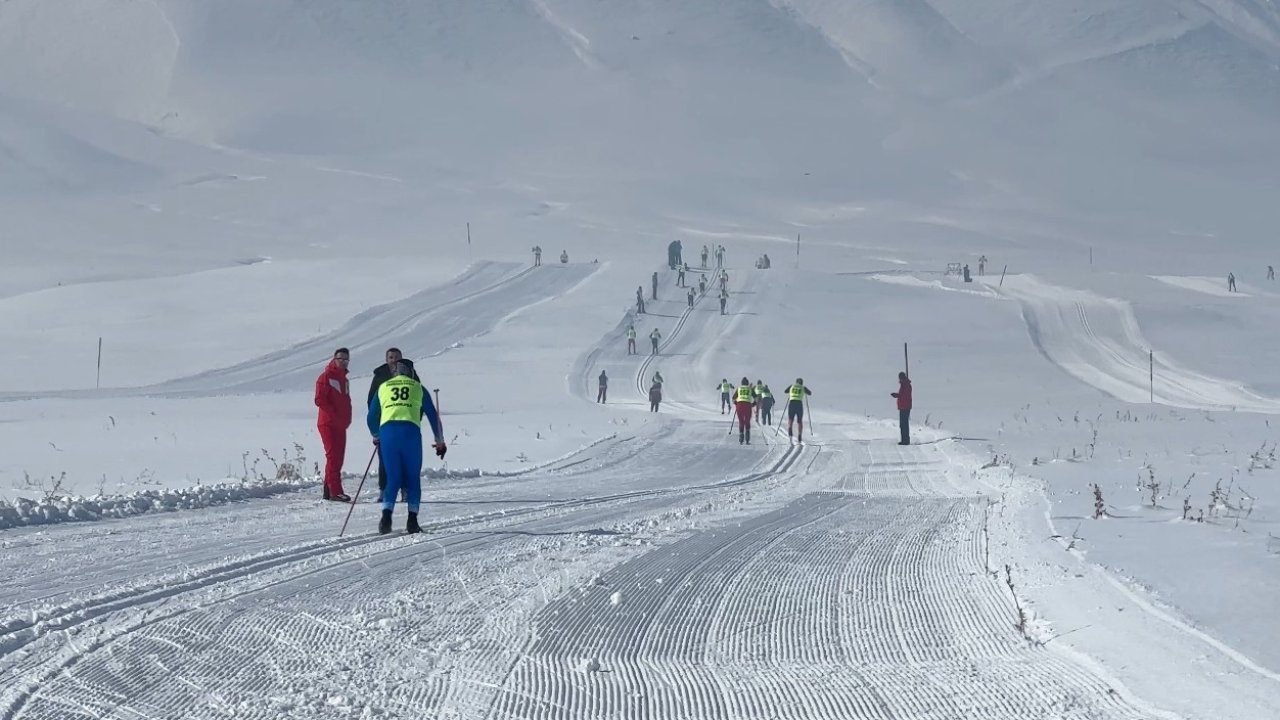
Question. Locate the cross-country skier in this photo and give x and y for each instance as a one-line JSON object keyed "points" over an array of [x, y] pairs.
{"points": [[684, 267], [757, 391], [395, 421], [690, 297], [726, 389], [655, 397], [796, 393], [654, 337], [564, 256], [724, 298], [904, 407], [631, 339], [702, 285], [1231, 282], [333, 397], [704, 257], [639, 299], [382, 374], [766, 407], [743, 401], [537, 255], [603, 393]]}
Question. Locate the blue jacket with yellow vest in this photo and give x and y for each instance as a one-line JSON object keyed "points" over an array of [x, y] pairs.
{"points": [[403, 399]]}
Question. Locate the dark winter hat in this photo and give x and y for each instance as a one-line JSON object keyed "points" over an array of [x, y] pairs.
{"points": [[745, 381], [799, 381]]}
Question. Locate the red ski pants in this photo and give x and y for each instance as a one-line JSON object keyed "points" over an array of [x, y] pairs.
{"points": [[335, 453], [744, 415]]}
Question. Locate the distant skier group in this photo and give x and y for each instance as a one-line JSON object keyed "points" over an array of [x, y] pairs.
{"points": [[749, 399]]}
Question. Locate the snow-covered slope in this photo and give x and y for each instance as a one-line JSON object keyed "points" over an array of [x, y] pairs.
{"points": [[216, 195]]}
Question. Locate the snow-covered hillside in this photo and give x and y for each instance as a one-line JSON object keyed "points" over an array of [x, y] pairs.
{"points": [[219, 195]]}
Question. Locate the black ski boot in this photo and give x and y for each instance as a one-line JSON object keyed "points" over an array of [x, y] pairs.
{"points": [[384, 525], [748, 436], [741, 438], [412, 526]]}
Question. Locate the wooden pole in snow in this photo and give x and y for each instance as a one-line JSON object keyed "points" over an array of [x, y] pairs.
{"points": [[1151, 358], [98, 383], [906, 361], [1002, 272]]}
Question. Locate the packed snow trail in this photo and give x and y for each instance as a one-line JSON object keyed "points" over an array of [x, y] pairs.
{"points": [[684, 580], [1097, 340]]}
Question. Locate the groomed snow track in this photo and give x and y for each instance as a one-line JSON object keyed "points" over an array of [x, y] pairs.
{"points": [[836, 605], [1098, 341]]}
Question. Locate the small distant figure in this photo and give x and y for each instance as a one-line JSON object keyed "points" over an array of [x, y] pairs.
{"points": [[724, 279], [904, 407], [631, 339], [966, 274], [691, 296], [603, 394], [1271, 273], [655, 397], [744, 401], [726, 389], [639, 300], [1231, 282], [654, 338], [705, 253], [757, 391], [655, 285], [537, 255], [564, 256], [674, 252], [680, 274], [767, 262], [719, 256], [702, 285], [724, 299], [982, 265]]}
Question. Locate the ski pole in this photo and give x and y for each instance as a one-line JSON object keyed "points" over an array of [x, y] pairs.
{"points": [[359, 487], [808, 412], [440, 415]]}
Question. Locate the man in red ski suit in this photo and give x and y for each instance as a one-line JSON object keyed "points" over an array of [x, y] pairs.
{"points": [[744, 400], [333, 397]]}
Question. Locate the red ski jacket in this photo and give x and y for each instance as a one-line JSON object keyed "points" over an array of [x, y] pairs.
{"points": [[904, 394], [333, 397]]}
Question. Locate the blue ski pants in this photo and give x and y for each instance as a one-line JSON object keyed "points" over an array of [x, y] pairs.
{"points": [[400, 444]]}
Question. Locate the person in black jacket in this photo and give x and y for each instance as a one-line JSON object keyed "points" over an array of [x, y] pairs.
{"points": [[381, 375]]}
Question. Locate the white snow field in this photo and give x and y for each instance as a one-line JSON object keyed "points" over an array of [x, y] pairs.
{"points": [[220, 194]]}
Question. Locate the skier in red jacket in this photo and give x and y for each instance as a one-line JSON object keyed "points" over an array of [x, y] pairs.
{"points": [[333, 397], [904, 407]]}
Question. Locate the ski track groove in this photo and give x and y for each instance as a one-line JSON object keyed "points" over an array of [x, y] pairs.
{"points": [[921, 629], [19, 633]]}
